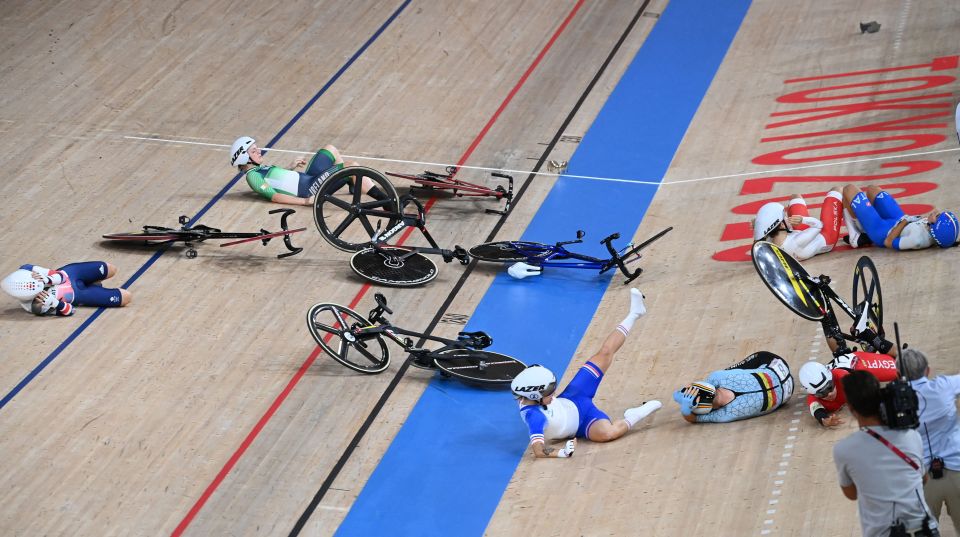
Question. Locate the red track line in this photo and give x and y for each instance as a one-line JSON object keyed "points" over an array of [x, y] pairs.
{"points": [[252, 435]]}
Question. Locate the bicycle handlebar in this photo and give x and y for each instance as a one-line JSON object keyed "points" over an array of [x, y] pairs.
{"points": [[376, 314]]}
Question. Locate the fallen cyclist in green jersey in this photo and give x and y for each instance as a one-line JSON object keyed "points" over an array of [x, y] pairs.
{"points": [[287, 185]]}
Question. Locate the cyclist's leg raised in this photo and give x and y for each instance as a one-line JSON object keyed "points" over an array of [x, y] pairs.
{"points": [[594, 424]]}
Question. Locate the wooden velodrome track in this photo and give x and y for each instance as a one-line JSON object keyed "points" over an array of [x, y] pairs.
{"points": [[204, 409]]}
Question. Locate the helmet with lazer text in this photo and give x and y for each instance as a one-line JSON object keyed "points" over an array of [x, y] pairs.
{"points": [[534, 383], [945, 230], [769, 217], [20, 284], [703, 401], [816, 379], [238, 151]]}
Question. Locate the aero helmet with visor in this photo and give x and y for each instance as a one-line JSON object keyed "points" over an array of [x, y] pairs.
{"points": [[21, 284], [816, 379], [945, 230]]}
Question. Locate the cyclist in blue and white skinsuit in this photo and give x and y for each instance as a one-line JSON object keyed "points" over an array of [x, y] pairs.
{"points": [[572, 413], [874, 213], [758, 385]]}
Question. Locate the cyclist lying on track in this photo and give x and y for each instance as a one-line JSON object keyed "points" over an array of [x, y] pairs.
{"points": [[288, 186], [572, 413], [876, 216], [43, 291], [758, 385], [825, 391], [795, 231]]}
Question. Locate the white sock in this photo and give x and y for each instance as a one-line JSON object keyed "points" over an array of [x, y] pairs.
{"points": [[853, 227], [637, 310], [636, 414]]}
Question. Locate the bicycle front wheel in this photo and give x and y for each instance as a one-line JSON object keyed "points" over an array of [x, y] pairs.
{"points": [[866, 288], [394, 266], [348, 217], [479, 368], [151, 236], [330, 325], [510, 251]]}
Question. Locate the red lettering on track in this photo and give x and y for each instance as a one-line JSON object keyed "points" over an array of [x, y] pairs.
{"points": [[943, 63], [915, 141], [761, 185]]}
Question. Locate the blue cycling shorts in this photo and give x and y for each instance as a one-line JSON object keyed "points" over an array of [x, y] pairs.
{"points": [[876, 218], [581, 391], [85, 278], [321, 166]]}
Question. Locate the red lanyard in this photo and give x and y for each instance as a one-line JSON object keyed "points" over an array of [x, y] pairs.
{"points": [[893, 448]]}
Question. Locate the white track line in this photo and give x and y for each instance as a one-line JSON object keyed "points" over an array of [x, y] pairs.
{"points": [[587, 177]]}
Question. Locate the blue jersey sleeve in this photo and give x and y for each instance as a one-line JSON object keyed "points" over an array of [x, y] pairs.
{"points": [[535, 420]]}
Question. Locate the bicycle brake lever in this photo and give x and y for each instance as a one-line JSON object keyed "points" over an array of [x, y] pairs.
{"points": [[460, 253]]}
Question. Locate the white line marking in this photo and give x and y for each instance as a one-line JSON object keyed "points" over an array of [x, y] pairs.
{"points": [[647, 182]]}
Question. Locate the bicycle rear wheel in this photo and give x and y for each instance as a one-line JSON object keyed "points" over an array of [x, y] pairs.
{"points": [[394, 266], [866, 288], [151, 235], [479, 368], [330, 326], [510, 251], [348, 218]]}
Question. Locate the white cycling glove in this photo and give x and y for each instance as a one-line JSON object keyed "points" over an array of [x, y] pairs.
{"points": [[567, 450]]}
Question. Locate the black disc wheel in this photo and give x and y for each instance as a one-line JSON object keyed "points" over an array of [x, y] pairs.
{"points": [[866, 293], [479, 368], [331, 326], [348, 217], [510, 251], [394, 266]]}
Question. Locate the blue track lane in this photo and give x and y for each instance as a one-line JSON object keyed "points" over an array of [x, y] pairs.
{"points": [[448, 467]]}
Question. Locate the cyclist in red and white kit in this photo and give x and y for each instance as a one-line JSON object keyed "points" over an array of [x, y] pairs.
{"points": [[825, 390], [795, 231]]}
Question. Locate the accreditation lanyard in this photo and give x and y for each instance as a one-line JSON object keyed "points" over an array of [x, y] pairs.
{"points": [[893, 448]]}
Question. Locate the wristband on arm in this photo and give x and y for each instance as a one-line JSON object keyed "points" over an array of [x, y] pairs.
{"points": [[821, 414]]}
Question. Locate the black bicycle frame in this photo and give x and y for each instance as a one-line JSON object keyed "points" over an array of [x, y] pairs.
{"points": [[829, 323], [418, 221]]}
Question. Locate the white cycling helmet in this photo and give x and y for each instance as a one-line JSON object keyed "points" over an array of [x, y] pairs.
{"points": [[768, 218], [21, 285], [816, 379], [534, 383], [238, 151]]}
